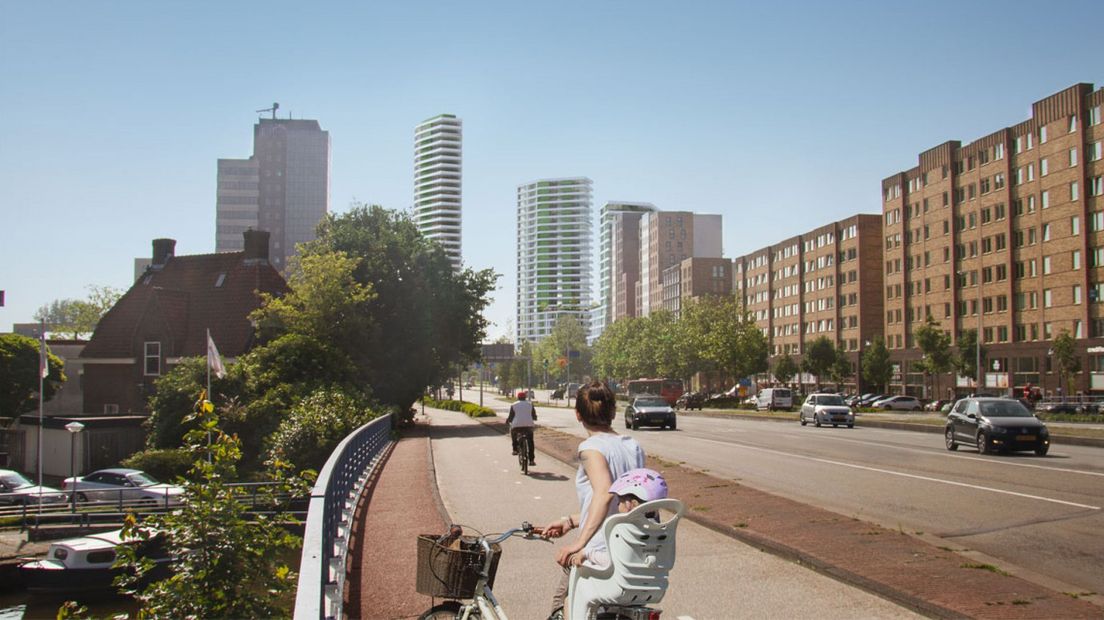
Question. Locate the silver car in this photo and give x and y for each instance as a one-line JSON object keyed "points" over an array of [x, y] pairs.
{"points": [[826, 409], [16, 489], [121, 484], [898, 403]]}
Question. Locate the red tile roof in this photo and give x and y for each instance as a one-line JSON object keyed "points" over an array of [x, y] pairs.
{"points": [[178, 303]]}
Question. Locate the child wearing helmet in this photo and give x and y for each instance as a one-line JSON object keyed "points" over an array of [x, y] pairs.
{"points": [[631, 489]]}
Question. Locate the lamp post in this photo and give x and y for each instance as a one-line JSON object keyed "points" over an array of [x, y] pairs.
{"points": [[74, 428]]}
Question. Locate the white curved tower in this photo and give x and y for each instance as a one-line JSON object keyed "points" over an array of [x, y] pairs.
{"points": [[553, 255], [437, 181]]}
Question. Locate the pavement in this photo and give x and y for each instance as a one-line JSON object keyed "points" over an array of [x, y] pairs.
{"points": [[454, 469]]}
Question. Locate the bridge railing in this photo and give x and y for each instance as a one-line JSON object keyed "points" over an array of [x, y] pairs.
{"points": [[330, 519]]}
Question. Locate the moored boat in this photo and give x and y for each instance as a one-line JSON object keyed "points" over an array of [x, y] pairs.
{"points": [[84, 564]]}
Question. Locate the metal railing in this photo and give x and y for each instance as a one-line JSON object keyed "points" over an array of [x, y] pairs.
{"points": [[330, 519]]}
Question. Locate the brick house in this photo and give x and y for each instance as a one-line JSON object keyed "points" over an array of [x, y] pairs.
{"points": [[165, 317]]}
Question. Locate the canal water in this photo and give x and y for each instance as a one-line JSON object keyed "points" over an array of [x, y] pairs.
{"points": [[23, 605]]}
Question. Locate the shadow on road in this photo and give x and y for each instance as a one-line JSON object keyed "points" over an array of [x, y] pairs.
{"points": [[547, 477]]}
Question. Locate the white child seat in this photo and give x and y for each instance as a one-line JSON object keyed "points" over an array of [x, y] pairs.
{"points": [[642, 553]]}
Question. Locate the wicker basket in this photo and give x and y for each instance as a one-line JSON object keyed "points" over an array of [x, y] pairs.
{"points": [[452, 573]]}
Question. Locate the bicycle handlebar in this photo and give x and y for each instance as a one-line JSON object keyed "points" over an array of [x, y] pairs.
{"points": [[525, 527]]}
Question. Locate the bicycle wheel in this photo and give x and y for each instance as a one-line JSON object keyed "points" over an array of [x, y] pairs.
{"points": [[449, 610], [523, 454]]}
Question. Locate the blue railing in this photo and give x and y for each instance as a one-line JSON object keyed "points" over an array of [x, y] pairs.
{"points": [[330, 519]]}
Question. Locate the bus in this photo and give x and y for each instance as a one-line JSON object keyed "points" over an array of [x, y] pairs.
{"points": [[669, 389]]}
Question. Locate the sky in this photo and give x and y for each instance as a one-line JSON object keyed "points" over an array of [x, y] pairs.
{"points": [[780, 116]]}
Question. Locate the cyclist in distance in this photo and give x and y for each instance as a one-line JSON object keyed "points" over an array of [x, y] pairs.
{"points": [[522, 418], [603, 457]]}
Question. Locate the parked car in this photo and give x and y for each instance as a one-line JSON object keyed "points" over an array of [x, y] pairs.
{"points": [[935, 405], [773, 399], [826, 409], [121, 484], [691, 400], [649, 411], [995, 424], [572, 390], [16, 489], [898, 403]]}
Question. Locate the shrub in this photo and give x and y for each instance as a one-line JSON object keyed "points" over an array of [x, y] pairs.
{"points": [[314, 427], [472, 410], [165, 464]]}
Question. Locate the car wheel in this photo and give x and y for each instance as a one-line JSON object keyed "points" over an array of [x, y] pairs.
{"points": [[982, 444], [952, 445], [835, 426], [889, 407], [850, 425], [1041, 450], [627, 425], [673, 425], [635, 424], [801, 418], [81, 497]]}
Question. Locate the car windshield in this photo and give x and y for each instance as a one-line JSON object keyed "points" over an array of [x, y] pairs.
{"points": [[830, 399], [1004, 409], [141, 479], [14, 480], [650, 402]]}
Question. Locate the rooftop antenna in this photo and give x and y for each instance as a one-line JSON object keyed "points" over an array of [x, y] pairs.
{"points": [[275, 106]]}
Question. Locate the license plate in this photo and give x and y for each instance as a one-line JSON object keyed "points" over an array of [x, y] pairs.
{"points": [[1025, 437]]}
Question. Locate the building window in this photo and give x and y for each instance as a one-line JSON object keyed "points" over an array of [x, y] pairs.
{"points": [[1076, 259], [1046, 232], [1075, 225], [1074, 191], [153, 359], [1096, 151], [1077, 294], [1094, 116], [1044, 167], [1073, 124], [1044, 197], [1042, 134], [1048, 299], [1073, 157], [111, 408]]}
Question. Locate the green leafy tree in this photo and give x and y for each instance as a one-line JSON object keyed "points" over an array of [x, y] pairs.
{"points": [[784, 369], [820, 357], [935, 344], [877, 369], [966, 358], [1065, 355], [78, 317], [567, 340], [230, 563], [725, 337], [19, 374], [314, 427], [841, 369], [614, 349]]}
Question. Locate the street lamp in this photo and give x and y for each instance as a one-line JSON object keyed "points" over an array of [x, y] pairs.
{"points": [[73, 428]]}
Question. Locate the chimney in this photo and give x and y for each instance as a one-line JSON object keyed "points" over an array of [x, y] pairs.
{"points": [[256, 246], [162, 251]]}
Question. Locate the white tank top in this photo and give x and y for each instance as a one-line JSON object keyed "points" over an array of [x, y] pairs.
{"points": [[622, 454]]}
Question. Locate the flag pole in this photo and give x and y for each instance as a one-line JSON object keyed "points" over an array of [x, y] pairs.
{"points": [[41, 386]]}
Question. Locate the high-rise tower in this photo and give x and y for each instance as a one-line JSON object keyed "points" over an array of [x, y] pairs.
{"points": [[610, 246], [283, 188], [437, 181], [553, 254]]}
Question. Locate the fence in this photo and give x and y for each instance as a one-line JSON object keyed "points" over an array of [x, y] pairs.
{"points": [[329, 519]]}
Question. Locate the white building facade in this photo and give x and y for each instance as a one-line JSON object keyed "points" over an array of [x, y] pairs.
{"points": [[553, 255], [437, 182]]}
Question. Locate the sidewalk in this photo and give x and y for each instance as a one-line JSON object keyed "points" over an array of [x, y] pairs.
{"points": [[721, 573]]}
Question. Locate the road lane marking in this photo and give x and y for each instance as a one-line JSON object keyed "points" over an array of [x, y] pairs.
{"points": [[904, 475]]}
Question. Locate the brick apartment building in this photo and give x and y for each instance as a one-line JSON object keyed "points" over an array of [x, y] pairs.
{"points": [[667, 238], [826, 282], [693, 278], [1004, 235]]}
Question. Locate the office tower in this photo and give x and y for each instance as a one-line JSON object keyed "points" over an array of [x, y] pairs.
{"points": [[283, 188], [625, 268], [667, 238], [614, 214], [437, 182], [553, 255], [1003, 235]]}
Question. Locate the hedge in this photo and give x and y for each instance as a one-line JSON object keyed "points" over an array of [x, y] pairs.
{"points": [[471, 409]]}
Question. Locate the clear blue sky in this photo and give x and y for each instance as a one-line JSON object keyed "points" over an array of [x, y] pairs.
{"points": [[781, 116]]}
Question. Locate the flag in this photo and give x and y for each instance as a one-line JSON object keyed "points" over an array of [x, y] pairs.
{"points": [[43, 360], [214, 361]]}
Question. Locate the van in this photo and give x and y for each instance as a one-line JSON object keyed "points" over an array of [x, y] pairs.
{"points": [[771, 399]]}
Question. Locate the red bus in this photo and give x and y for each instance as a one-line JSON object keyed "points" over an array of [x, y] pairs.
{"points": [[669, 389]]}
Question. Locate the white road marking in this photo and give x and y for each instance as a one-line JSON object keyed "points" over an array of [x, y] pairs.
{"points": [[904, 475], [684, 618]]}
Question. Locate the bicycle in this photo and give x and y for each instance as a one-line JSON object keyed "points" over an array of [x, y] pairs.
{"points": [[483, 605], [525, 451]]}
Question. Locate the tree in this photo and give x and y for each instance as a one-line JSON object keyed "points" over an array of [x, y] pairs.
{"points": [[1065, 355], [314, 427], [876, 366], [784, 369], [78, 317], [820, 356], [567, 340], [726, 337], [936, 347], [614, 350], [966, 360], [230, 564], [19, 374], [841, 369]]}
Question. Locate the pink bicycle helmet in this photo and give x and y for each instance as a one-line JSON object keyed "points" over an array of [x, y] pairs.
{"points": [[646, 484]]}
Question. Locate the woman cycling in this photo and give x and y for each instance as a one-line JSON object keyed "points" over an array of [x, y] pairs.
{"points": [[603, 456]]}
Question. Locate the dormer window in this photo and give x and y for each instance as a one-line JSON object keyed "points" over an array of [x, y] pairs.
{"points": [[218, 281]]}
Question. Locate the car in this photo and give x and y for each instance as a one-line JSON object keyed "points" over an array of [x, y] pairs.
{"points": [[650, 411], [947, 406], [773, 399], [898, 403], [572, 390], [865, 401], [935, 405], [16, 489], [995, 425], [123, 484], [691, 400], [826, 409]]}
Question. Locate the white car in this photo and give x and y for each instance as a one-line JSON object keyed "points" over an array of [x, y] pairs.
{"points": [[826, 409], [900, 403], [126, 485], [16, 489]]}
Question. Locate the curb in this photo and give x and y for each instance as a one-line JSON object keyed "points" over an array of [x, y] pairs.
{"points": [[928, 587]]}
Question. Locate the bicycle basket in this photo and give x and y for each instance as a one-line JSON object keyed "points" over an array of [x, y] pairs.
{"points": [[452, 573]]}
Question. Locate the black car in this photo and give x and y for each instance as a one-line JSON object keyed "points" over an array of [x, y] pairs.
{"points": [[649, 411], [995, 425], [691, 400]]}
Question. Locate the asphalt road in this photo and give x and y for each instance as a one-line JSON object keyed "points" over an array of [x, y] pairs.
{"points": [[714, 576], [1038, 517]]}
